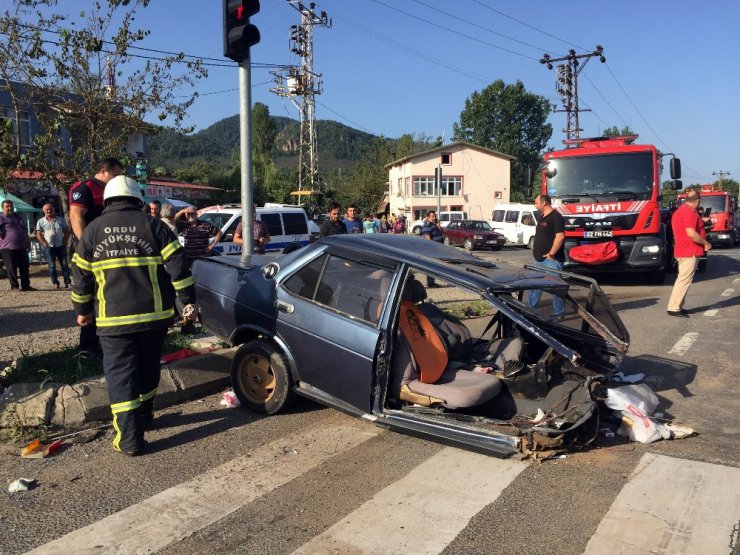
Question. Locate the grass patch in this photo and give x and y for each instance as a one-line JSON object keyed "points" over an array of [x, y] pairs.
{"points": [[66, 366], [471, 309]]}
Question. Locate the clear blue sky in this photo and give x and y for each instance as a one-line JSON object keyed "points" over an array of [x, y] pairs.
{"points": [[672, 72]]}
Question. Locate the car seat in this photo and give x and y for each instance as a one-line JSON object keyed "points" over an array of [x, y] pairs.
{"points": [[420, 371]]}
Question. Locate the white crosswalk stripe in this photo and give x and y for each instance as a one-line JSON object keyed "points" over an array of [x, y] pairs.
{"points": [[177, 512], [668, 505], [672, 506], [409, 516]]}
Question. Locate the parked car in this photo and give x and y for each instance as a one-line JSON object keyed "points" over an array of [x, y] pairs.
{"points": [[286, 223], [445, 217], [347, 322], [473, 234], [517, 222]]}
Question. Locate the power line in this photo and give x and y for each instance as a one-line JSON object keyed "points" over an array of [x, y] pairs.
{"points": [[527, 24], [474, 24], [357, 125], [453, 31], [391, 42], [605, 100]]}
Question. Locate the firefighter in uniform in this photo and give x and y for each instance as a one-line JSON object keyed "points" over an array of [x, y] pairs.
{"points": [[128, 267]]}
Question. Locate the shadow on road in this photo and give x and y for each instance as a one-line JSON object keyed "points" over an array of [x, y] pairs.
{"points": [[638, 303], [209, 423], [662, 374]]}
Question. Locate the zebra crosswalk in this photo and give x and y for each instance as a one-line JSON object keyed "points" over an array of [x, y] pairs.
{"points": [[667, 505]]}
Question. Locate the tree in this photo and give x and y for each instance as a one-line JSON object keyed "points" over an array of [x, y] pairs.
{"points": [[90, 93], [615, 132], [510, 120]]}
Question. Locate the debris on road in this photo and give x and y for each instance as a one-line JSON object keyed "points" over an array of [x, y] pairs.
{"points": [[229, 399], [22, 484], [636, 404], [38, 450]]}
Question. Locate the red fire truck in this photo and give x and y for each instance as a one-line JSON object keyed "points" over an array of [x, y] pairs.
{"points": [[723, 206], [607, 190]]}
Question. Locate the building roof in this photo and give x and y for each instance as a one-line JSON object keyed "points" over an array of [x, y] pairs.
{"points": [[447, 147], [18, 204], [177, 184]]}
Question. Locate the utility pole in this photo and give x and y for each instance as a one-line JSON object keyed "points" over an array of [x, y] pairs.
{"points": [[304, 83], [567, 86], [721, 175]]}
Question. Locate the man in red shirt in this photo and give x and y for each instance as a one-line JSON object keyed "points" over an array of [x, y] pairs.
{"points": [[689, 246]]}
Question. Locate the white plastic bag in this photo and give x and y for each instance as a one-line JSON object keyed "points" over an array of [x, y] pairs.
{"points": [[639, 396], [637, 403]]}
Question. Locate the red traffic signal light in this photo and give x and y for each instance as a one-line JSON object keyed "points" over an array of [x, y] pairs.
{"points": [[239, 34]]}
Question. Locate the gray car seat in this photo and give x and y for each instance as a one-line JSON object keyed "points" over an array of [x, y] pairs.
{"points": [[457, 387]]}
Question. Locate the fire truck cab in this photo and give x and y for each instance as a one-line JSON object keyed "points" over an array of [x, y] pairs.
{"points": [[608, 190], [723, 230]]}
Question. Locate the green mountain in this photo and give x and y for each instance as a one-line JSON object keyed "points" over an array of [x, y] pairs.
{"points": [[339, 146]]}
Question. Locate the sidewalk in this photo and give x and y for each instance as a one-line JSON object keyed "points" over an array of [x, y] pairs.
{"points": [[72, 406]]}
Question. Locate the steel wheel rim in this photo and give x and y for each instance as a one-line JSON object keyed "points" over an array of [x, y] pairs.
{"points": [[257, 379]]}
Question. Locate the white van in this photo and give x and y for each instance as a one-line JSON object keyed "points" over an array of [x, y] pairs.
{"points": [[286, 223], [444, 220], [517, 222]]}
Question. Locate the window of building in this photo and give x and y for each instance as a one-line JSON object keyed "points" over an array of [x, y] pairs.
{"points": [[353, 288], [446, 158], [497, 194], [399, 190], [425, 186], [22, 126], [406, 185]]}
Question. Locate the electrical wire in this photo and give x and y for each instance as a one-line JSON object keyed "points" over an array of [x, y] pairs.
{"points": [[492, 45], [474, 24], [357, 125]]}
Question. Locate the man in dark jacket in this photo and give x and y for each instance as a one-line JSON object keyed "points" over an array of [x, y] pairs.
{"points": [[333, 225], [128, 267]]}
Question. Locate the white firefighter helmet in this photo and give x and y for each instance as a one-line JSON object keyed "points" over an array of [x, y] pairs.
{"points": [[122, 186]]}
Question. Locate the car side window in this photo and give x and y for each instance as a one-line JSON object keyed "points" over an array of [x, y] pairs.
{"points": [[272, 220], [512, 216], [229, 233], [353, 288], [498, 215], [527, 219], [295, 223]]}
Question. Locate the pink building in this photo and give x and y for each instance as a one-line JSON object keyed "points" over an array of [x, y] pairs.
{"points": [[474, 179]]}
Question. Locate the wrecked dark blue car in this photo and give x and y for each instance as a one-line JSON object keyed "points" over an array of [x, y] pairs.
{"points": [[418, 337]]}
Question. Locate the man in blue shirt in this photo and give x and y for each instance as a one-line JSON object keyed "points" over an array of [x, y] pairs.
{"points": [[352, 221]]}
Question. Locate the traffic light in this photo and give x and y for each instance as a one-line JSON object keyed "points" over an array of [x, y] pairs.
{"points": [[239, 34]]}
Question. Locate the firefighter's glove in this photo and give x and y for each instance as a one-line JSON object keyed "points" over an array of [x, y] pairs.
{"points": [[190, 312]]}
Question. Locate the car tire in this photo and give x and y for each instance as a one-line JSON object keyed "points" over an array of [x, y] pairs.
{"points": [[417, 230], [447, 240], [468, 244], [530, 243], [261, 377]]}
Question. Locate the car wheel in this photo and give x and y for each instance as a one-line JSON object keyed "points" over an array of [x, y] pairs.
{"points": [[530, 243], [417, 230], [261, 377], [468, 244], [447, 240]]}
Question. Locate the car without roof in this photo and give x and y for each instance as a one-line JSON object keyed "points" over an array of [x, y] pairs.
{"points": [[473, 234], [347, 322]]}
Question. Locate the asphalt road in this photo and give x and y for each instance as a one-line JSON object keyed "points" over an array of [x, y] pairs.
{"points": [[313, 480]]}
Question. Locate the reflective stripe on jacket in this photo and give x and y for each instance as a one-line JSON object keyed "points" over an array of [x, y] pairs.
{"points": [[128, 268]]}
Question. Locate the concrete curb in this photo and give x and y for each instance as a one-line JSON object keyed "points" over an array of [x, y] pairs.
{"points": [[71, 406]]}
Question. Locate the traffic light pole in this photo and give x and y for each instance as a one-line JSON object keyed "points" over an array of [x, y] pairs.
{"points": [[245, 155]]}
